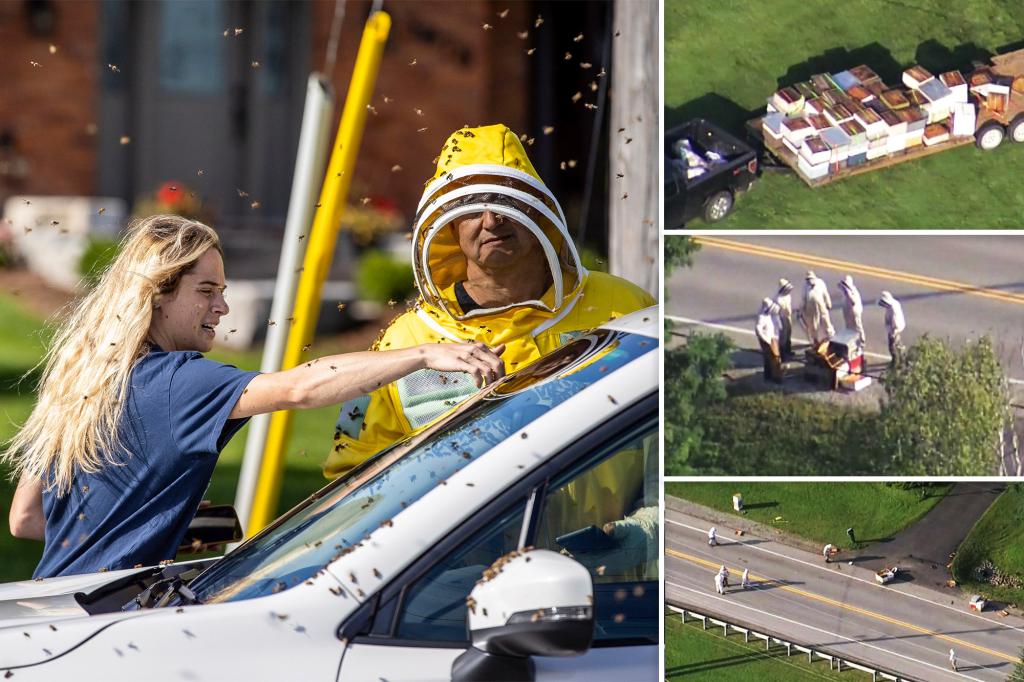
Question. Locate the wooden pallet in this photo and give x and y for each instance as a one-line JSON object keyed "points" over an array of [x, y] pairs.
{"points": [[786, 155]]}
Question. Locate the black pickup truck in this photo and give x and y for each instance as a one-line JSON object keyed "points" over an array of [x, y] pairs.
{"points": [[704, 169]]}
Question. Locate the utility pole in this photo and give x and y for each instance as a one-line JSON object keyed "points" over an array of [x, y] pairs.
{"points": [[635, 153]]}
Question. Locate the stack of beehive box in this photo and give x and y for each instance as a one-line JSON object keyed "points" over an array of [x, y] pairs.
{"points": [[842, 120]]}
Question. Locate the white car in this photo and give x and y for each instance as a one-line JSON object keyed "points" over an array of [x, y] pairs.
{"points": [[887, 574], [413, 566]]}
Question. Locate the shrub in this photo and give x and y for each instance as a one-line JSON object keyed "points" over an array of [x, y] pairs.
{"points": [[98, 256], [382, 278], [946, 409]]}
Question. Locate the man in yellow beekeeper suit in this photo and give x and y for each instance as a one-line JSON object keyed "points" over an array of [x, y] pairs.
{"points": [[494, 263]]}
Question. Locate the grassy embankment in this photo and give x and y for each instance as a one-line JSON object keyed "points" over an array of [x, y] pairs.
{"points": [[692, 653], [997, 538], [820, 512]]}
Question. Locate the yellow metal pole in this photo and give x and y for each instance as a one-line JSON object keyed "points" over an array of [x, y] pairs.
{"points": [[323, 236]]}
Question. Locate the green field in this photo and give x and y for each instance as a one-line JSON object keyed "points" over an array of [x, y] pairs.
{"points": [[999, 538], [22, 338], [820, 512], [724, 59], [692, 653]]}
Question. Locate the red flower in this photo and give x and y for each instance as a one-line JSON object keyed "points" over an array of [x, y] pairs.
{"points": [[170, 194]]}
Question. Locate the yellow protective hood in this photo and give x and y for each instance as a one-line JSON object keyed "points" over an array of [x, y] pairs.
{"points": [[488, 160]]}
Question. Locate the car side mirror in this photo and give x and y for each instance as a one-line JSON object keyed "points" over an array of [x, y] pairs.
{"points": [[213, 525], [528, 603]]}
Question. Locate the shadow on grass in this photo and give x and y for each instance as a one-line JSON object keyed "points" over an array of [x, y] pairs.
{"points": [[716, 664], [760, 505], [720, 110]]}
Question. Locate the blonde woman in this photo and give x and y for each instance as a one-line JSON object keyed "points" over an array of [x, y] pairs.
{"points": [[130, 417]]}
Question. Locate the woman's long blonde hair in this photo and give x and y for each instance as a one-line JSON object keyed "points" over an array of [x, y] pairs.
{"points": [[75, 423]]}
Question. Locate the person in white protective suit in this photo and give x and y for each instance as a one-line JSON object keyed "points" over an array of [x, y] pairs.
{"points": [[745, 581], [895, 323], [723, 573], [784, 299], [712, 536], [815, 307], [766, 328], [719, 583], [853, 309]]}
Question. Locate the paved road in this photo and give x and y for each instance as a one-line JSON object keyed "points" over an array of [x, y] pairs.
{"points": [[955, 286], [924, 548], [839, 608]]}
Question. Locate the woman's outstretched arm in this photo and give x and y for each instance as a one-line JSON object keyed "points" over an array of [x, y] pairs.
{"points": [[336, 378]]}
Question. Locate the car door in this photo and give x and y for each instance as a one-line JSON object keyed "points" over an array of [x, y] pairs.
{"points": [[416, 627]]}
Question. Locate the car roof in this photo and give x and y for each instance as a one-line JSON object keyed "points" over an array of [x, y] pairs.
{"points": [[643, 322]]}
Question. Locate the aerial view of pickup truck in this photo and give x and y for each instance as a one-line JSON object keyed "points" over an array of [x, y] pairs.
{"points": [[705, 168]]}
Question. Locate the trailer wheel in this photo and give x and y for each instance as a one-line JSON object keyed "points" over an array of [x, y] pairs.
{"points": [[1016, 129], [718, 206], [989, 136]]}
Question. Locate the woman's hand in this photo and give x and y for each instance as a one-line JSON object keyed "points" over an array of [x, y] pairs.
{"points": [[475, 359]]}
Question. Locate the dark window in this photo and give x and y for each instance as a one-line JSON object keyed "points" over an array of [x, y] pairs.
{"points": [[434, 608]]}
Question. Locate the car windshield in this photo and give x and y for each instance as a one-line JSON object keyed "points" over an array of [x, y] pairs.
{"points": [[344, 513]]}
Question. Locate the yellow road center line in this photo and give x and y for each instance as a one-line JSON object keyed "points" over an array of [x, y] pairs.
{"points": [[849, 607], [860, 268]]}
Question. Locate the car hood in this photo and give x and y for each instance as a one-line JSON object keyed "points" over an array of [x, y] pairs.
{"points": [[40, 619]]}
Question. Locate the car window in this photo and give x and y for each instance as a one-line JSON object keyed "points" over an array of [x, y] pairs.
{"points": [[618, 486], [342, 514], [434, 608], [604, 513]]}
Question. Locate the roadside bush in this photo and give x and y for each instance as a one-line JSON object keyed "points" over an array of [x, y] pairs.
{"points": [[382, 279], [593, 260], [946, 409], [98, 256], [693, 385]]}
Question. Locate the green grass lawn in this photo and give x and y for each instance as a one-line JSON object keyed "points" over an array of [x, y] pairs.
{"points": [[692, 653], [820, 512], [999, 538], [724, 59], [22, 340]]}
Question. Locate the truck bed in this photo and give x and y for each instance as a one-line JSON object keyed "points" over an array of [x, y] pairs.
{"points": [[707, 137]]}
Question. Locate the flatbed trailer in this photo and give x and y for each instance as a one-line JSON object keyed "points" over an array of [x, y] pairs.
{"points": [[785, 155], [997, 117]]}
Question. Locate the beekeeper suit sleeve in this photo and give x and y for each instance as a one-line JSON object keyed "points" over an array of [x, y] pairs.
{"points": [[370, 423], [825, 295]]}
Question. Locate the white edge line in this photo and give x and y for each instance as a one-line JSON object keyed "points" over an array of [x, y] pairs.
{"points": [[822, 631], [819, 567], [748, 332]]}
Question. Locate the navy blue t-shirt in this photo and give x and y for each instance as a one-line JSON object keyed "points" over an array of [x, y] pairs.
{"points": [[174, 425]]}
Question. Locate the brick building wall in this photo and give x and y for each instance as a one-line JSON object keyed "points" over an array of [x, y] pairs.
{"points": [[50, 109], [464, 74]]}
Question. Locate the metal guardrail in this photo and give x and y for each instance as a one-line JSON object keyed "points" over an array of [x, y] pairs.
{"points": [[837, 663]]}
